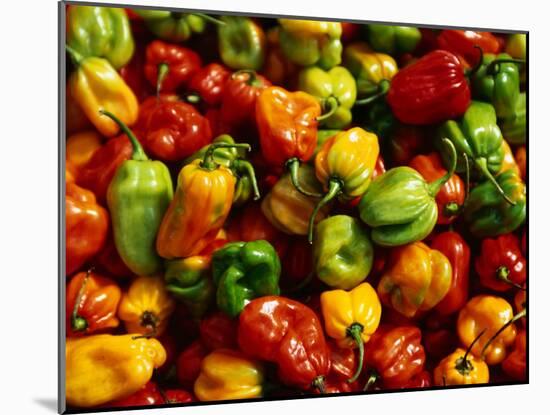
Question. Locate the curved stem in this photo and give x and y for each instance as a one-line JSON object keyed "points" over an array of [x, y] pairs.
{"points": [[334, 189], [492, 68], [476, 68], [481, 164], [319, 383], [463, 366], [247, 167], [293, 165], [502, 275], [354, 331], [79, 323], [210, 19], [75, 56], [436, 184], [332, 104], [138, 152], [383, 88], [162, 72], [208, 159], [519, 315], [373, 377]]}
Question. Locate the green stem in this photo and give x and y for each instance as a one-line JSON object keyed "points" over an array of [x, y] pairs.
{"points": [[334, 189], [210, 19], [451, 209], [463, 365], [79, 323], [436, 184], [481, 164], [354, 331], [502, 275], [492, 67], [383, 88], [75, 56], [319, 383], [246, 166], [252, 80], [293, 165], [162, 72], [519, 315], [332, 104], [208, 159], [138, 154], [373, 377], [192, 98]]}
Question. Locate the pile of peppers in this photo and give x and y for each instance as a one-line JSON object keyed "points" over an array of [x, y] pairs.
{"points": [[261, 207]]}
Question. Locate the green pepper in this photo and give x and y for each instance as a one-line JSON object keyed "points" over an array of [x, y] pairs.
{"points": [[103, 32], [400, 205], [342, 252], [234, 159], [242, 43], [516, 47], [497, 81], [476, 137], [189, 281], [172, 26], [335, 89], [488, 215], [138, 197], [393, 39], [243, 271], [513, 128]]}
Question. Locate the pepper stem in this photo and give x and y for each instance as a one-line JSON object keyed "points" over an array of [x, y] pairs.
{"points": [[293, 165], [334, 189], [502, 275], [319, 383], [354, 331], [192, 98], [75, 56], [210, 19], [247, 167], [436, 184], [79, 323], [208, 160], [252, 80], [162, 72], [463, 365], [138, 152], [383, 88], [373, 377], [332, 104], [519, 315], [492, 67], [481, 164], [451, 209], [473, 70]]}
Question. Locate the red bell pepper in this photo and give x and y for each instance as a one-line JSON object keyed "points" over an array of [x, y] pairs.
{"points": [[188, 363], [218, 331], [429, 91], [501, 264], [170, 129], [169, 67], [343, 364], [457, 251], [289, 334], [463, 44], [208, 83]]}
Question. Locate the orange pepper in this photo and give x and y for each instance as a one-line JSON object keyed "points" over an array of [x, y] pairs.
{"points": [[509, 162], [81, 147], [461, 369], [521, 160]]}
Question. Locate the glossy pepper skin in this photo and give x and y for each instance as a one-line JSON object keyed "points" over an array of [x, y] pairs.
{"points": [[400, 205], [243, 271], [138, 196], [229, 374], [172, 26], [169, 67], [393, 39], [488, 214], [500, 264], [372, 71], [289, 334], [287, 125], [450, 197], [103, 32], [146, 306], [241, 43], [96, 85], [209, 83], [117, 366], [431, 90], [396, 353], [309, 42], [188, 363], [457, 251], [171, 129], [81, 147], [351, 317], [458, 369], [218, 331], [342, 252], [463, 44], [416, 279], [515, 364], [86, 226], [92, 302], [509, 162], [514, 128], [335, 90], [489, 313], [497, 83]]}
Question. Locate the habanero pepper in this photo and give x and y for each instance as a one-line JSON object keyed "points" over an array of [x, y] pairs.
{"points": [[515, 364], [461, 368], [208, 83], [172, 26], [465, 43], [514, 128], [343, 364], [277, 68], [81, 147], [241, 43], [297, 264], [521, 160], [188, 363], [392, 39], [218, 331], [509, 162], [289, 334], [151, 394], [109, 261]]}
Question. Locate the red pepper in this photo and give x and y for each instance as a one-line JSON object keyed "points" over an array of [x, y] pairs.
{"points": [[218, 331], [450, 197], [188, 363], [218, 127], [170, 129], [501, 264], [515, 364], [457, 252], [169, 67], [463, 44], [439, 343], [110, 261], [428, 41], [406, 142], [148, 395], [343, 364], [97, 173], [289, 334], [429, 91], [134, 76], [177, 396], [209, 82], [422, 380], [350, 31], [524, 241], [297, 263], [168, 341]]}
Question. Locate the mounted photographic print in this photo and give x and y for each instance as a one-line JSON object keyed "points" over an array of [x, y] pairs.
{"points": [[263, 208]]}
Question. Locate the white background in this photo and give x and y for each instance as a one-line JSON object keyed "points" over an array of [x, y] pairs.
{"points": [[28, 217]]}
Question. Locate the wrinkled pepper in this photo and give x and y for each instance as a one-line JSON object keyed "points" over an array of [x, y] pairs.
{"points": [[116, 366], [342, 252], [218, 331], [509, 162], [208, 83], [188, 363], [172, 26], [138, 196], [243, 271], [461, 368], [514, 128], [241, 43], [392, 39], [465, 43], [81, 147], [515, 364]]}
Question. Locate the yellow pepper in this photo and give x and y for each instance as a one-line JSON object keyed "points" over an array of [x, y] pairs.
{"points": [[487, 314], [228, 374], [351, 318], [102, 368], [509, 161], [146, 307], [81, 147], [459, 368], [417, 279], [96, 85]]}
